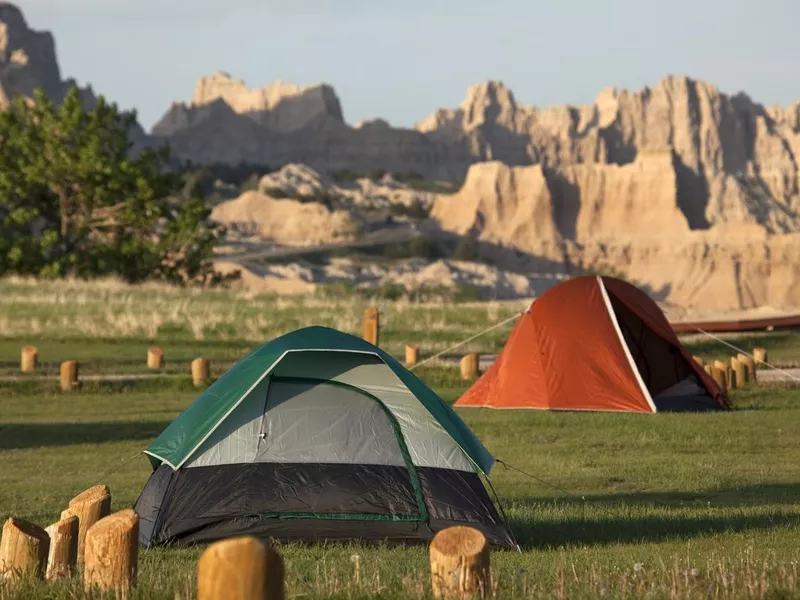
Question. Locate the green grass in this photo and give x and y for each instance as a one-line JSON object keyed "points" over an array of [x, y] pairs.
{"points": [[656, 506], [108, 326]]}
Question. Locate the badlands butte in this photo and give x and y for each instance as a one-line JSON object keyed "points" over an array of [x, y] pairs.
{"points": [[690, 192]]}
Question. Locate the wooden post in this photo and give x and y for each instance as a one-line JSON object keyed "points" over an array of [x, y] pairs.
{"points": [[201, 371], [372, 325], [241, 568], [155, 358], [412, 355], [726, 368], [749, 367], [760, 355], [63, 555], [699, 360], [69, 375], [709, 369], [23, 550], [469, 366], [720, 377], [89, 506], [741, 373], [460, 564], [733, 379], [28, 360], [112, 552]]}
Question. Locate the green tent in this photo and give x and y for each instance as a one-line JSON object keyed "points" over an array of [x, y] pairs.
{"points": [[316, 435]]}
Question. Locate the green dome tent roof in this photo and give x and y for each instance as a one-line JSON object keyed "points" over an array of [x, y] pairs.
{"points": [[181, 439]]}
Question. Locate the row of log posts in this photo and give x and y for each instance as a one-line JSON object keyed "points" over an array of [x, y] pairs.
{"points": [[29, 360], [245, 568], [88, 536], [739, 371], [69, 379], [242, 568]]}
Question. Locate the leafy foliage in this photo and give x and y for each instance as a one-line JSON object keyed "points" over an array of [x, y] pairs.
{"points": [[74, 199]]}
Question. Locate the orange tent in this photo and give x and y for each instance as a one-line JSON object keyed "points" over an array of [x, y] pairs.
{"points": [[595, 343]]}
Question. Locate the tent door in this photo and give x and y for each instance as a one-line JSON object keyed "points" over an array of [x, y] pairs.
{"points": [[328, 423]]}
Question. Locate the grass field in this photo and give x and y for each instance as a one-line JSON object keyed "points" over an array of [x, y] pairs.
{"points": [[108, 326], [655, 506]]}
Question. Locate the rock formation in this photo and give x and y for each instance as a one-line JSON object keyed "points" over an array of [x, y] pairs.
{"points": [[28, 61], [629, 219], [489, 282], [279, 107], [284, 221], [729, 153]]}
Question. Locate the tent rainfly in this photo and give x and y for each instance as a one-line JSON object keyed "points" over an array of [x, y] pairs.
{"points": [[316, 435], [595, 343]]}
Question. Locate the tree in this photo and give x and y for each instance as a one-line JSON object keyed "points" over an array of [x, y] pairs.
{"points": [[74, 199]]}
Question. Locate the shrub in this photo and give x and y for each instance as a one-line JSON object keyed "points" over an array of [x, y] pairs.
{"points": [[466, 249], [418, 247], [277, 193], [345, 176]]}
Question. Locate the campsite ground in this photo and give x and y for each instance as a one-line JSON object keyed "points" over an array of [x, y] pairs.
{"points": [[671, 505]]}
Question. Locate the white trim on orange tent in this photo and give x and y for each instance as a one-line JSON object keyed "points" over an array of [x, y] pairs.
{"points": [[625, 348]]}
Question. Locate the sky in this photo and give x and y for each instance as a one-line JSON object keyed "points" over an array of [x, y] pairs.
{"points": [[401, 60]]}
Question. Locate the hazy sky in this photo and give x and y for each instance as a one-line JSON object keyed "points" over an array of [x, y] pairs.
{"points": [[401, 60]]}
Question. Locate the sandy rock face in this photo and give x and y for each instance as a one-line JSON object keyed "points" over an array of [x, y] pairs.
{"points": [[284, 221], [722, 146], [709, 272], [498, 204], [635, 220], [301, 181], [278, 107]]}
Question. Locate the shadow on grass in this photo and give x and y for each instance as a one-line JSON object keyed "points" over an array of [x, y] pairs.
{"points": [[18, 436], [132, 384], [612, 530], [770, 494], [625, 528]]}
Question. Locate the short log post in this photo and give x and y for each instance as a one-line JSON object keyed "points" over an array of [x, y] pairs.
{"points": [[749, 367], [23, 550], [155, 358], [720, 377], [699, 360], [29, 359], [726, 368], [372, 325], [69, 375], [760, 355], [469, 366], [412, 355], [241, 568], [460, 564], [709, 369], [112, 552], [740, 370], [89, 506], [63, 555], [201, 372]]}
